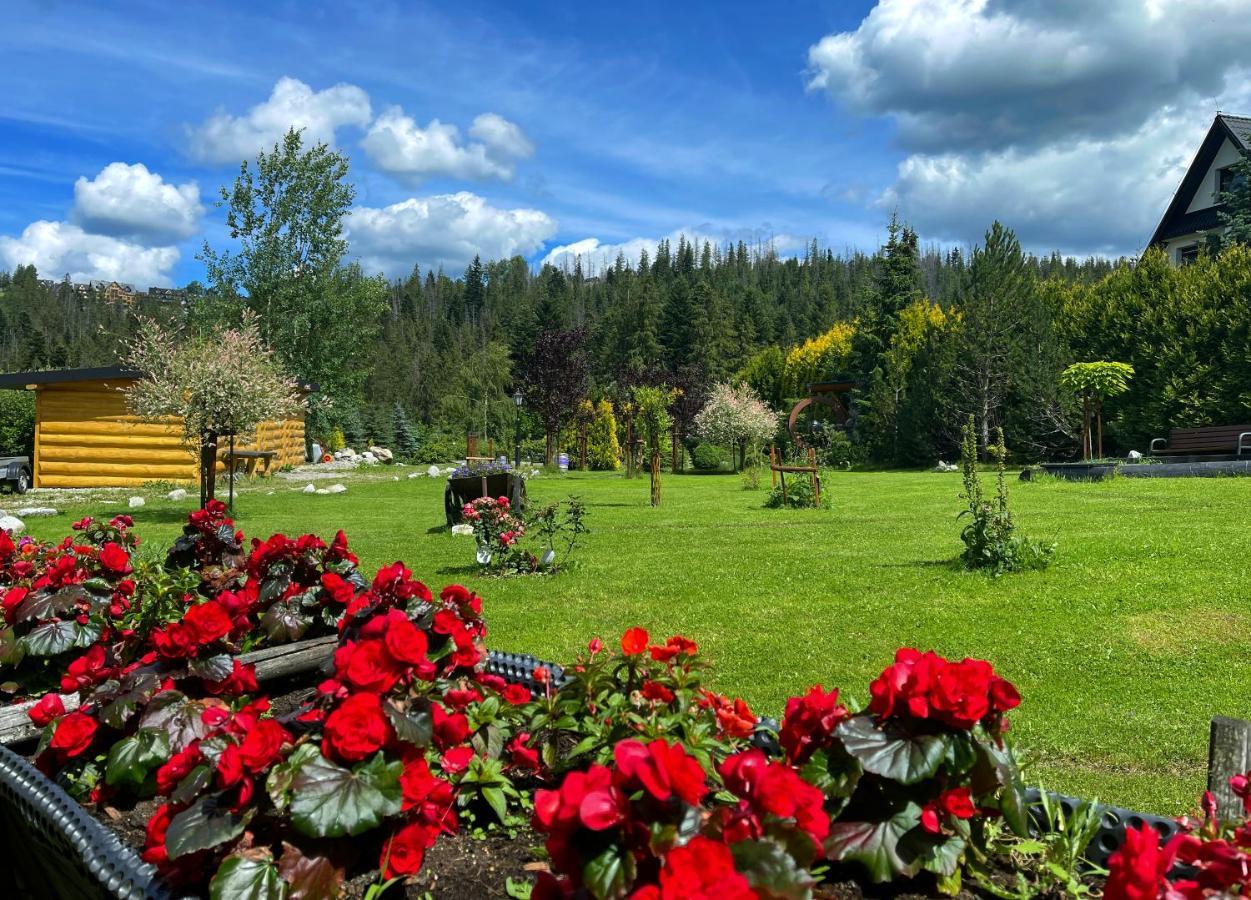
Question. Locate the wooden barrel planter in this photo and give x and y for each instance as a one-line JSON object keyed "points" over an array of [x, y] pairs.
{"points": [[461, 491]]}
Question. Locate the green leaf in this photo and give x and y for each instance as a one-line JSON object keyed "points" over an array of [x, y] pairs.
{"points": [[328, 800], [285, 622], [414, 728], [12, 650], [197, 781], [181, 718], [138, 688], [498, 802], [213, 668], [132, 759], [876, 844], [891, 752], [278, 784], [239, 878], [609, 874], [309, 877], [43, 605], [940, 854], [274, 587], [52, 638], [772, 870], [205, 824]]}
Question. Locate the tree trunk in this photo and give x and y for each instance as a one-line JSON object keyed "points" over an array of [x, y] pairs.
{"points": [[208, 467], [655, 473], [629, 448], [676, 464], [549, 442], [1085, 428], [1099, 423]]}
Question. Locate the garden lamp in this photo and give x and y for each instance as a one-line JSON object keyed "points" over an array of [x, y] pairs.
{"points": [[517, 401]]}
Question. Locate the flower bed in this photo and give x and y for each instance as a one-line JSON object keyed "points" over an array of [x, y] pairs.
{"points": [[637, 778]]}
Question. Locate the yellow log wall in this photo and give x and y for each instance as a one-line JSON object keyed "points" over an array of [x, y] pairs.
{"points": [[86, 437]]}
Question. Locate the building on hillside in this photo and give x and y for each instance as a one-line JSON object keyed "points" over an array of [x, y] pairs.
{"points": [[1191, 218], [114, 291], [86, 437]]}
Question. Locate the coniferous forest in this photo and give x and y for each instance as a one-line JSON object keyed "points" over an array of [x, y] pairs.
{"points": [[928, 337]]}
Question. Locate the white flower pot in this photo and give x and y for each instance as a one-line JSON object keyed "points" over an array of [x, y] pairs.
{"points": [[484, 555]]}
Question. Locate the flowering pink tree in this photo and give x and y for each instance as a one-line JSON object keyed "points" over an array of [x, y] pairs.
{"points": [[222, 383], [735, 417]]}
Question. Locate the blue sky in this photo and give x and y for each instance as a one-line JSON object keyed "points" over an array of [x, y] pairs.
{"points": [[593, 128]]}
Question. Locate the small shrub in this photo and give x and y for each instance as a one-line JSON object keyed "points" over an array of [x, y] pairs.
{"points": [[990, 541], [839, 452], [799, 495], [17, 423], [707, 457], [603, 453]]}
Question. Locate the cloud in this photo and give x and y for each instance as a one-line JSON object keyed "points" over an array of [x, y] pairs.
{"points": [[987, 74], [443, 230], [60, 248], [596, 255], [1070, 121], [401, 147], [293, 104], [128, 201]]}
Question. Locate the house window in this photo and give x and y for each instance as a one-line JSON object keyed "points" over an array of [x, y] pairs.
{"points": [[1228, 180], [1188, 254]]}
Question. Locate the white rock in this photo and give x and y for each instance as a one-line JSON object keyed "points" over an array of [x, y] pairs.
{"points": [[462, 529], [395, 477], [433, 471], [376, 451], [336, 489], [321, 491], [369, 457], [309, 489], [136, 502], [383, 454], [414, 474], [29, 511], [1134, 456], [946, 467], [12, 524], [345, 453], [177, 494]]}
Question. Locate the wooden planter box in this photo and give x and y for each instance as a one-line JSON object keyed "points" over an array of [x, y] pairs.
{"points": [[461, 491]]}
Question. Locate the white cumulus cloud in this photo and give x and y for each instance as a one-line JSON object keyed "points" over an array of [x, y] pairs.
{"points": [[442, 230], [57, 249], [596, 255], [401, 147], [1070, 121], [227, 138], [129, 201]]}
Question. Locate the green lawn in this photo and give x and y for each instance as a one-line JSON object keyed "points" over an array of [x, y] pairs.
{"points": [[1123, 650]]}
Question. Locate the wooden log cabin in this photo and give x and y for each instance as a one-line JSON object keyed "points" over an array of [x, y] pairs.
{"points": [[86, 437]]}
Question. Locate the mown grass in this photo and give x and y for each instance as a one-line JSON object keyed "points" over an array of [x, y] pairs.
{"points": [[1123, 649]]}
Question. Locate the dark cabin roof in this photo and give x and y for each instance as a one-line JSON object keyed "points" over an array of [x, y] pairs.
{"points": [[67, 376], [99, 373], [1176, 220]]}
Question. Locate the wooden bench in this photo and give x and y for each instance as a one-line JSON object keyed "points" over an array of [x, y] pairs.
{"points": [[1230, 439], [248, 460]]}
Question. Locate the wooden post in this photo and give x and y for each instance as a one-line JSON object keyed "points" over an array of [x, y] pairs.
{"points": [[773, 463], [782, 475], [1229, 754], [816, 478]]}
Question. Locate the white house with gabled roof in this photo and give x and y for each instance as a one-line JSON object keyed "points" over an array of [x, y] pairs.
{"points": [[1192, 215]]}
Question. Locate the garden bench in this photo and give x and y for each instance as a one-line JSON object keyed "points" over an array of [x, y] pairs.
{"points": [[249, 460], [1232, 439]]}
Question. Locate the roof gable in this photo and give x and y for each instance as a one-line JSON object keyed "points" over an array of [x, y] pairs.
{"points": [[1224, 127]]}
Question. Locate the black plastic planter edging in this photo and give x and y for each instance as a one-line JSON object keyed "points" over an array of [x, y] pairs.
{"points": [[54, 848], [519, 669], [1113, 822]]}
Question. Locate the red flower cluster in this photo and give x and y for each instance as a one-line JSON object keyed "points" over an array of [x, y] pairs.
{"points": [[956, 803], [600, 799], [201, 625], [701, 870], [809, 723], [769, 791], [734, 717], [428, 812], [927, 686]]}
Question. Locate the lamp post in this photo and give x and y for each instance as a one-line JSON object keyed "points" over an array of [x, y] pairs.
{"points": [[517, 401]]}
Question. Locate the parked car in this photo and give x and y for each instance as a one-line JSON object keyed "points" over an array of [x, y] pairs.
{"points": [[16, 473]]}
